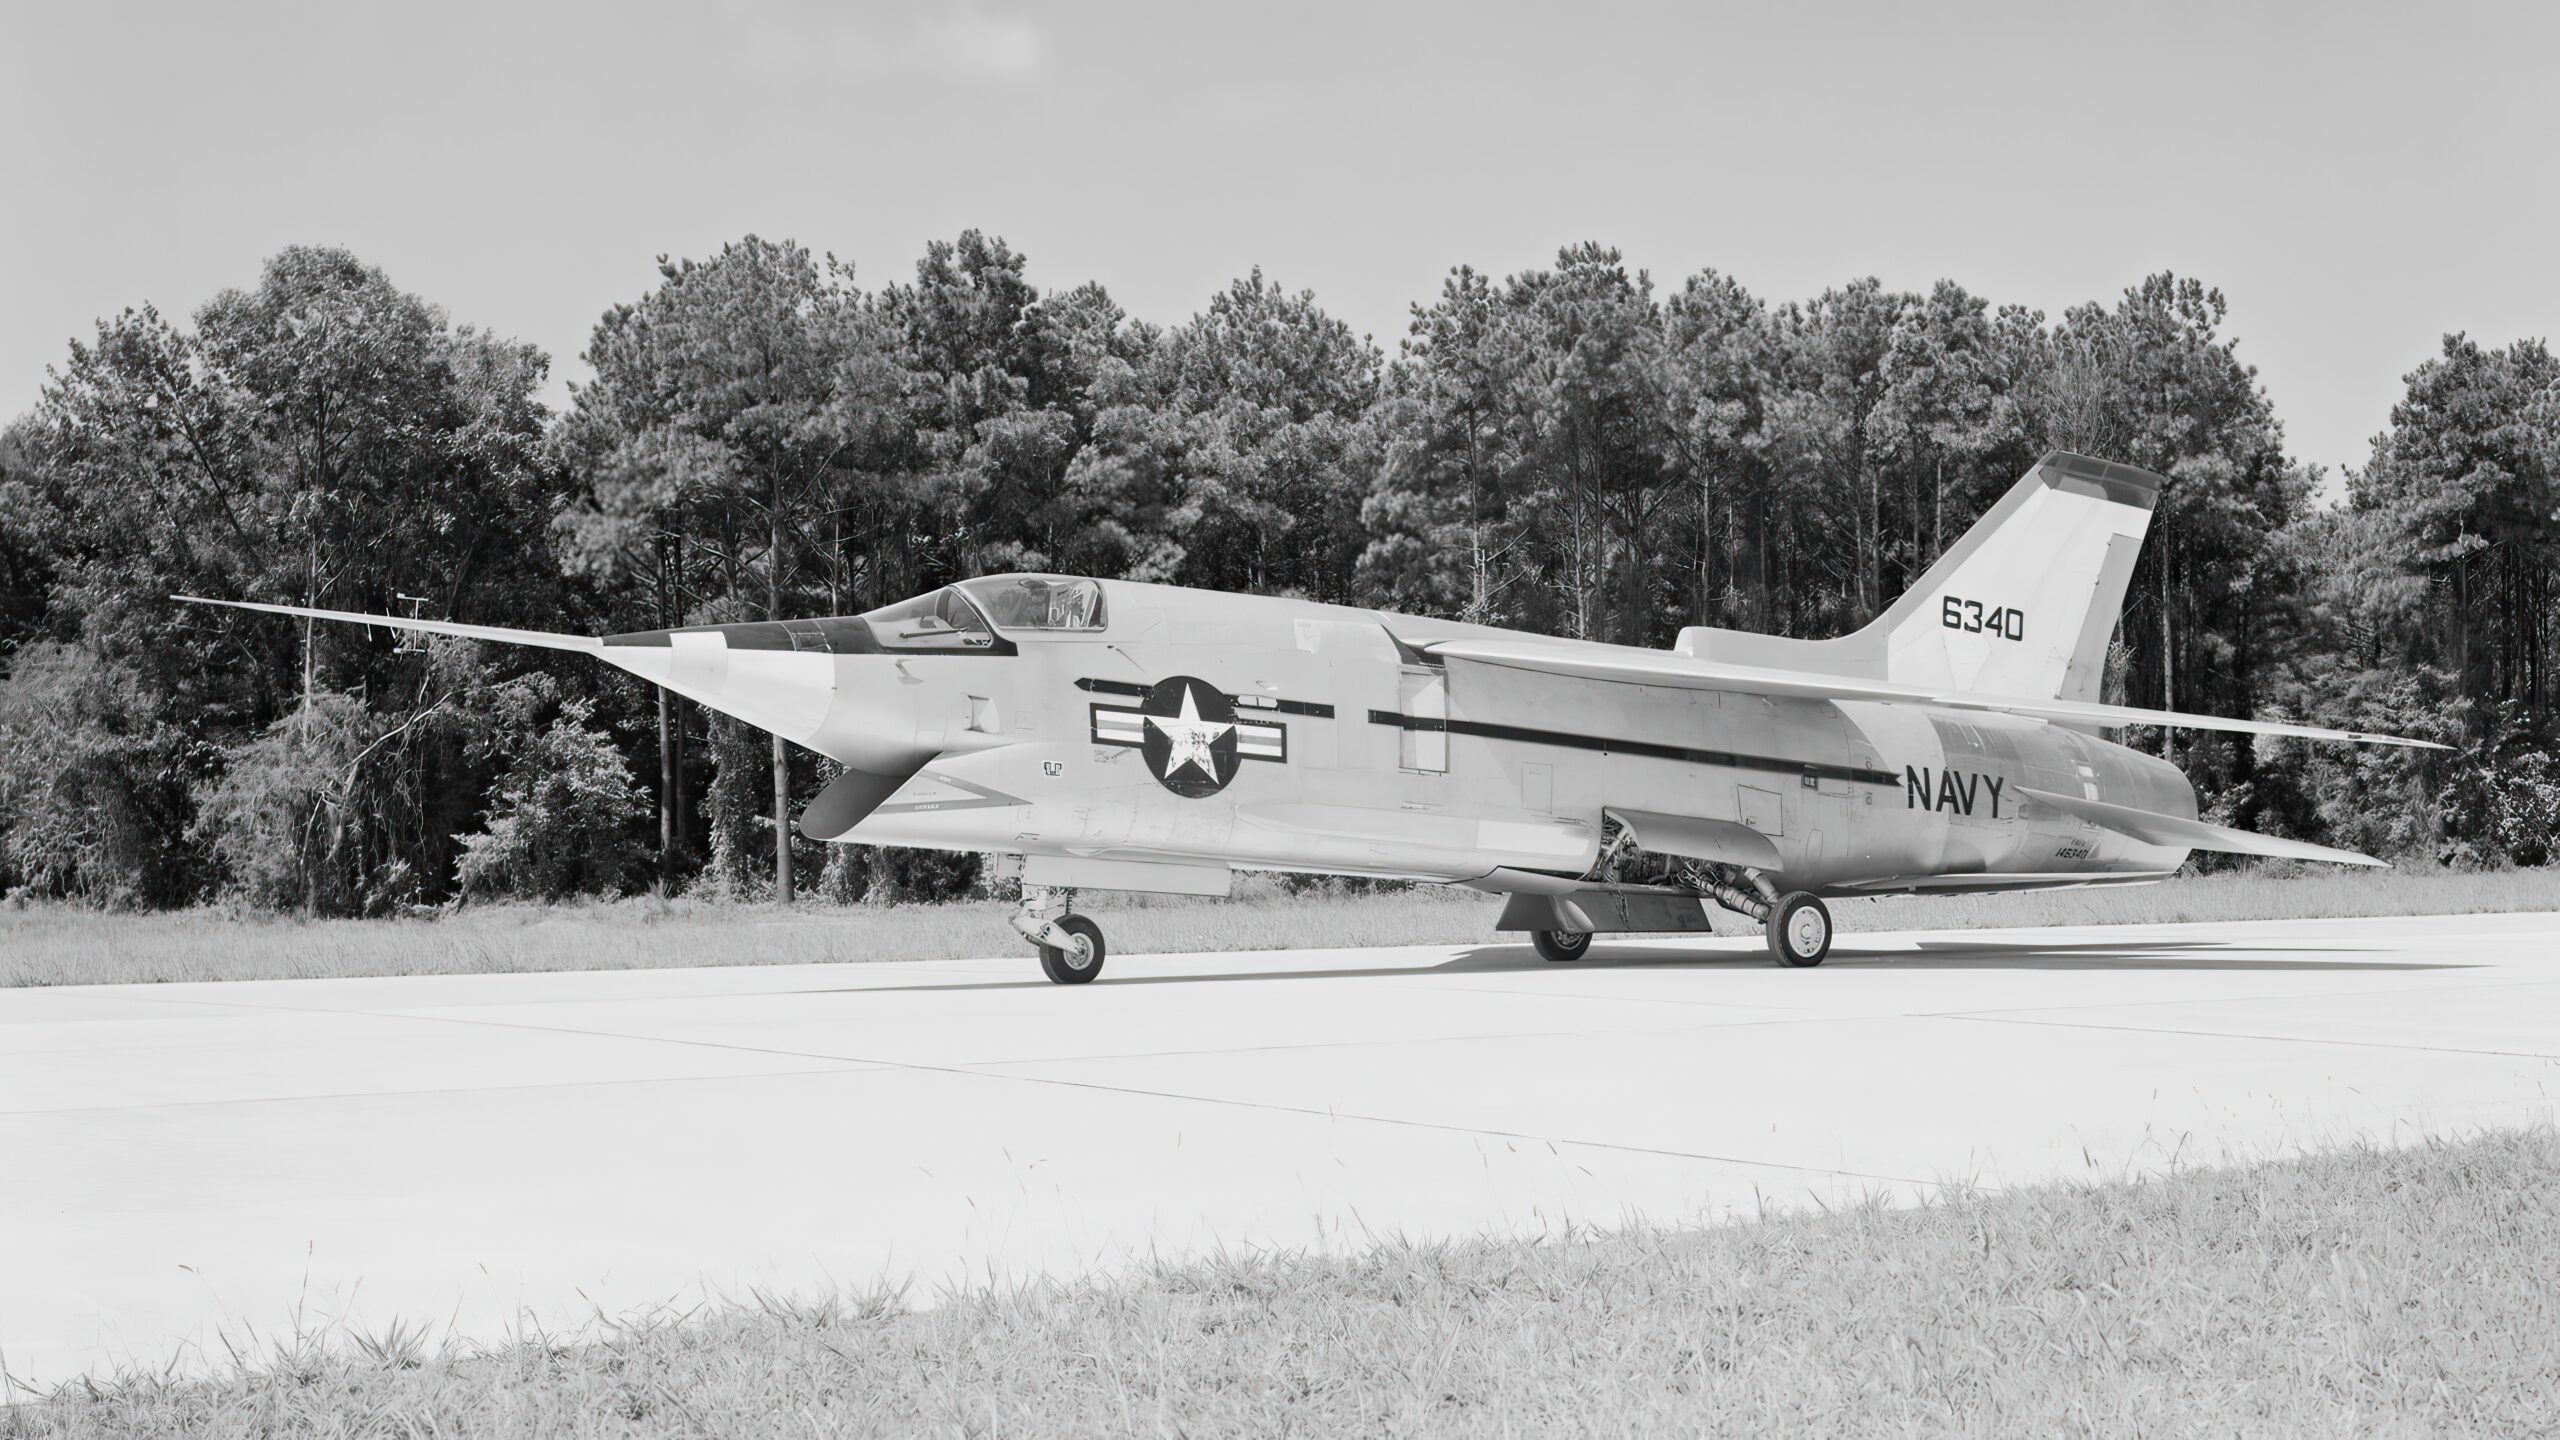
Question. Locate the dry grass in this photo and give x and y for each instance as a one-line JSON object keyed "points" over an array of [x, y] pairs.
{"points": [[60, 945], [2361, 1292]]}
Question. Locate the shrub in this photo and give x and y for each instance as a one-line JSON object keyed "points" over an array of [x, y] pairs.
{"points": [[563, 818], [289, 822], [2502, 809], [92, 782]]}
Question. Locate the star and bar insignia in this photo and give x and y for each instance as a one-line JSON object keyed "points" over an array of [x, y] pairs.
{"points": [[1189, 731]]}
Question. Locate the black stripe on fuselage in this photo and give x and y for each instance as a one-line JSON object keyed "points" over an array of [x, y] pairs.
{"points": [[1524, 735], [1316, 709]]}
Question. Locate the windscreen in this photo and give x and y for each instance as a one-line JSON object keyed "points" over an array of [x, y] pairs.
{"points": [[1040, 602], [943, 620]]}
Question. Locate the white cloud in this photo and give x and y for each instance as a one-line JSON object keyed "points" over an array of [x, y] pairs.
{"points": [[968, 41], [936, 37]]}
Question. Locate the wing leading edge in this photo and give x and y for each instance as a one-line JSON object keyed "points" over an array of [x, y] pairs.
{"points": [[547, 639], [1650, 667]]}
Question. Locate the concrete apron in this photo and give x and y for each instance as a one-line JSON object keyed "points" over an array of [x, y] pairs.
{"points": [[183, 1166]]}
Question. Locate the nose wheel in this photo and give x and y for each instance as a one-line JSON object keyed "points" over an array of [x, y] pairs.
{"points": [[1799, 930], [1071, 948], [1080, 959]]}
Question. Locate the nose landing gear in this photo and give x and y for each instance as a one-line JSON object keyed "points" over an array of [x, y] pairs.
{"points": [[1071, 949]]}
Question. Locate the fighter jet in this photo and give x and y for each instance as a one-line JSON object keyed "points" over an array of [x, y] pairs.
{"points": [[1117, 736]]}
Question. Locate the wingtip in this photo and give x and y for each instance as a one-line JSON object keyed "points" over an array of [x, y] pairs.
{"points": [[2365, 738]]}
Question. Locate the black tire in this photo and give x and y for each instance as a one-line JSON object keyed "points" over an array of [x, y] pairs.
{"points": [[1561, 945], [1799, 930], [1074, 967]]}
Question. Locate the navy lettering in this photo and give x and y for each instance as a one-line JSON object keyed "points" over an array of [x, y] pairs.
{"points": [[1959, 791]]}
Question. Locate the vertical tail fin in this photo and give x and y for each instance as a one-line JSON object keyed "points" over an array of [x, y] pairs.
{"points": [[2024, 604]]}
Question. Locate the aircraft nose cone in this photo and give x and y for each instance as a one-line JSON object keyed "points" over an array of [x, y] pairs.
{"points": [[838, 699], [784, 690]]}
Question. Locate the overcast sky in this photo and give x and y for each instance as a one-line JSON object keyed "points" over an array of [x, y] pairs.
{"points": [[2357, 179]]}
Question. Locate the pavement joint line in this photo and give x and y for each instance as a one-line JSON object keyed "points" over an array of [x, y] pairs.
{"points": [[1808, 1012], [2001, 1019], [835, 1069], [1391, 1040], [995, 1066], [1709, 1002], [1454, 1129], [872, 1065], [2445, 986]]}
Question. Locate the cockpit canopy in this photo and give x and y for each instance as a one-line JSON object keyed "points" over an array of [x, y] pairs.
{"points": [[943, 620], [951, 620], [1039, 602], [955, 617]]}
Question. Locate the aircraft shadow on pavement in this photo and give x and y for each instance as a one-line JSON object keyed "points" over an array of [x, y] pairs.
{"points": [[2118, 955], [1928, 955]]}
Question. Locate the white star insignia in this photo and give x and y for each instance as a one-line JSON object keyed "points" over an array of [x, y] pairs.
{"points": [[1190, 736]]}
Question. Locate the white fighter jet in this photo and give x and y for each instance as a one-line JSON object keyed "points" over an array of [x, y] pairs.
{"points": [[1110, 735]]}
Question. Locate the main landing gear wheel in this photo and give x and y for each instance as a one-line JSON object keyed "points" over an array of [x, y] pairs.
{"points": [[1076, 964], [1561, 944], [1799, 929]]}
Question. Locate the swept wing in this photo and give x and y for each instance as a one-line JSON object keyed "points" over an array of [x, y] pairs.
{"points": [[1652, 667], [547, 639]]}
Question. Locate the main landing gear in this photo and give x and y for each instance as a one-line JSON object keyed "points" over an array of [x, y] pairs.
{"points": [[1799, 928], [1797, 923], [1560, 945], [1071, 949]]}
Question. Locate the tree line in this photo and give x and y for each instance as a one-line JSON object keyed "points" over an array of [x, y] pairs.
{"points": [[1569, 450]]}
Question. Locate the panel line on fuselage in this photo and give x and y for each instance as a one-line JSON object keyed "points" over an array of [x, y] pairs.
{"points": [[1525, 735], [1313, 709]]}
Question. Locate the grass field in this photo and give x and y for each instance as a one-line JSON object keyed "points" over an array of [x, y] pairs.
{"points": [[2360, 1292], [60, 945]]}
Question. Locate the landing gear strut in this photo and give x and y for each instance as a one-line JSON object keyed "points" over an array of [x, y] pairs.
{"points": [[1071, 949]]}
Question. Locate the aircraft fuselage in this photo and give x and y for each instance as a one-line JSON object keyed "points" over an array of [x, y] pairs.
{"points": [[1199, 732]]}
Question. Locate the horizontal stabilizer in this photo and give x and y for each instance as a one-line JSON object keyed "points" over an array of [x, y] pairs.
{"points": [[548, 640], [1629, 665], [2156, 829], [1981, 882]]}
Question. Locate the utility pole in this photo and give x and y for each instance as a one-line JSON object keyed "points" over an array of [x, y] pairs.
{"points": [[670, 734], [781, 751]]}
